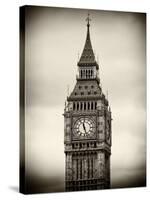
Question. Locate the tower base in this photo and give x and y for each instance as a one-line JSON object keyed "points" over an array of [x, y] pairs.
{"points": [[90, 184]]}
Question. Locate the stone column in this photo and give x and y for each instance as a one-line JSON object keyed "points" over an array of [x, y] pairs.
{"points": [[68, 167], [79, 105], [74, 168], [85, 167], [78, 167], [94, 166], [109, 170], [101, 164], [90, 166]]}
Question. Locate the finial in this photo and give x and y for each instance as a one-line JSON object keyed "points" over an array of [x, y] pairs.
{"points": [[98, 59], [88, 20], [68, 90], [78, 55], [107, 94]]}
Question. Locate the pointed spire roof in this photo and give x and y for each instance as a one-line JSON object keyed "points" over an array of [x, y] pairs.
{"points": [[87, 57]]}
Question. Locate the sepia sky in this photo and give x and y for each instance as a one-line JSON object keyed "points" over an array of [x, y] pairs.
{"points": [[53, 39]]}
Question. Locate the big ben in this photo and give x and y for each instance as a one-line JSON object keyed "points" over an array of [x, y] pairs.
{"points": [[87, 127]]}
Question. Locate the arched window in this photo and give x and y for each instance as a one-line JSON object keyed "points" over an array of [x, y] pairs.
{"points": [[92, 106], [73, 106], [91, 73], [81, 105], [95, 105], [81, 73], [86, 73], [84, 105], [88, 105], [77, 106]]}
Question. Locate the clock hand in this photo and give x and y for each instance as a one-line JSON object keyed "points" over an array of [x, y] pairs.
{"points": [[84, 127]]}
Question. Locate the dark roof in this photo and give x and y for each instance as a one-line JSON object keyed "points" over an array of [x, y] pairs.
{"points": [[84, 89]]}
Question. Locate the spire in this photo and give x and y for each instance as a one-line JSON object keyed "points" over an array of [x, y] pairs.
{"points": [[88, 21], [88, 57]]}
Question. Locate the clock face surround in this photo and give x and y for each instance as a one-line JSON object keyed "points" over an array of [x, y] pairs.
{"points": [[84, 127]]}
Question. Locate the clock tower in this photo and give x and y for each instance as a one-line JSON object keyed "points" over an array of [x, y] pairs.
{"points": [[87, 127]]}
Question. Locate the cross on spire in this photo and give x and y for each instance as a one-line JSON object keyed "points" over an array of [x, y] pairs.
{"points": [[88, 20]]}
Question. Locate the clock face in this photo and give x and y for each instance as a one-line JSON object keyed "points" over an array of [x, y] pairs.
{"points": [[84, 128]]}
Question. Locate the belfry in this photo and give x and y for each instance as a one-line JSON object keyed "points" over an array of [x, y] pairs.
{"points": [[87, 127]]}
